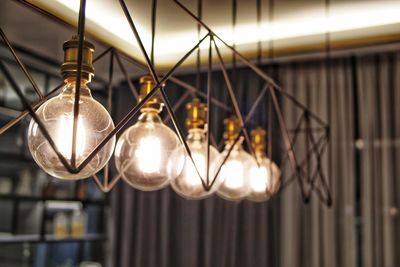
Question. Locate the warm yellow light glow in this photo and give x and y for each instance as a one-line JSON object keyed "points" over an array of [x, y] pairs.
{"points": [[148, 154], [234, 174], [344, 16], [260, 179], [106, 19], [190, 172], [64, 134]]}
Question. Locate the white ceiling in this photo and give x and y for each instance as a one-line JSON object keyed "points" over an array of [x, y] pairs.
{"points": [[295, 23], [297, 26]]}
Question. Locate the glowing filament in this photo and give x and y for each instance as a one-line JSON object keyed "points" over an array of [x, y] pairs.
{"points": [[233, 173], [64, 134], [148, 154], [191, 174], [260, 179]]}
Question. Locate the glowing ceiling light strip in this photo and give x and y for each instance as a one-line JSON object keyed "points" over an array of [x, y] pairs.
{"points": [[345, 17]]}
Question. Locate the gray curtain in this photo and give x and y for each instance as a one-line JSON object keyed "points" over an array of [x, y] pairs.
{"points": [[360, 229]]}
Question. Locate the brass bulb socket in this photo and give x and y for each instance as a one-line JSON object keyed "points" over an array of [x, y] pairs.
{"points": [[69, 68], [196, 114], [147, 84], [232, 129], [258, 140]]}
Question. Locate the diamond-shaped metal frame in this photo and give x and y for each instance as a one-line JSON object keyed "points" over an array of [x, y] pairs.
{"points": [[308, 181]]}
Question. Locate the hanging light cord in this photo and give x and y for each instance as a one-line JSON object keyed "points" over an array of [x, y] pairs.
{"points": [[200, 15], [271, 14], [259, 44], [271, 6], [234, 19], [153, 29], [328, 83]]}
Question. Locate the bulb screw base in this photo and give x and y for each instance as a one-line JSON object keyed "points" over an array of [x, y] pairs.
{"points": [[196, 114], [232, 128], [258, 140], [69, 68], [147, 83]]}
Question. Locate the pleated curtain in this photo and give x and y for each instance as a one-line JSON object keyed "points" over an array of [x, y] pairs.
{"points": [[362, 168]]}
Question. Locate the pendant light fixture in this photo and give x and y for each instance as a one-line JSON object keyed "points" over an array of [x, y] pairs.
{"points": [[144, 151], [149, 155], [57, 114], [235, 171], [189, 183], [265, 178]]}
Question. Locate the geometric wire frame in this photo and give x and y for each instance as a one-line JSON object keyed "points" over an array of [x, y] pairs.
{"points": [[309, 179]]}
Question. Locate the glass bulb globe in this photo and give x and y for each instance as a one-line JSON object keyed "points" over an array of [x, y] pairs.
{"points": [[264, 180], [94, 123], [188, 184], [235, 173], [143, 153]]}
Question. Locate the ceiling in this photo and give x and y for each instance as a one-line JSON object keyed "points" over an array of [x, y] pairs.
{"points": [[297, 26]]}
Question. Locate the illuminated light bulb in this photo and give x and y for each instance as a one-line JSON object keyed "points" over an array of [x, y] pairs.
{"points": [[235, 172], [143, 154], [189, 184], [93, 124], [65, 133], [265, 178]]}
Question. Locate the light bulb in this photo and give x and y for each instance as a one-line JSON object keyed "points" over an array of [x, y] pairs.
{"points": [[149, 154], [188, 184], [143, 153], [264, 179], [94, 123], [235, 172]]}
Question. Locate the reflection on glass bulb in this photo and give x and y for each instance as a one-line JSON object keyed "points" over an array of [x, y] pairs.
{"points": [[144, 151], [94, 123], [235, 173], [264, 180], [259, 179], [234, 170], [65, 133], [148, 154], [188, 184]]}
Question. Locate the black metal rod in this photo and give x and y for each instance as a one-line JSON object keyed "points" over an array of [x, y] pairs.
{"points": [[259, 44], [23, 114], [110, 82], [237, 138], [234, 18], [125, 73], [102, 54], [257, 70], [256, 102], [109, 105], [226, 158], [198, 59], [153, 29], [295, 135], [193, 90], [285, 135], [161, 89], [180, 132], [138, 40], [320, 145], [209, 80], [136, 108], [41, 126], [235, 103], [22, 66], [269, 130], [177, 105], [320, 171], [81, 35]]}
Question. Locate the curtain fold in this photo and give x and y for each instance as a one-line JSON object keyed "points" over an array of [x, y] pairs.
{"points": [[360, 229]]}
